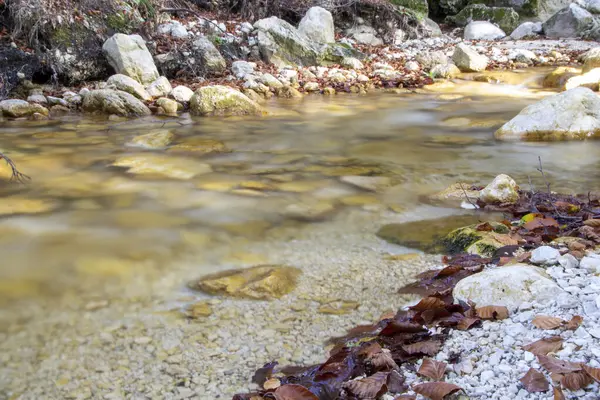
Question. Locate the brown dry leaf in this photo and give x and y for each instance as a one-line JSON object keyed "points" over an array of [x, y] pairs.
{"points": [[558, 393], [594, 223], [370, 387], [576, 246], [554, 365], [271, 384], [547, 322], [427, 347], [492, 312], [436, 390], [574, 323], [294, 392], [432, 369], [555, 377], [504, 239], [535, 381], [545, 346], [428, 303], [576, 380], [383, 361], [396, 383], [593, 372], [541, 222], [467, 323]]}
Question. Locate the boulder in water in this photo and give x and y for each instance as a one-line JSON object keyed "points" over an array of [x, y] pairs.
{"points": [[116, 102], [502, 190], [222, 100], [570, 115]]}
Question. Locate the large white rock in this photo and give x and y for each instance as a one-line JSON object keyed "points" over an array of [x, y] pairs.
{"points": [[592, 6], [591, 59], [545, 255], [160, 87], [469, 60], [128, 55], [573, 114], [483, 30], [503, 189], [508, 286], [570, 22], [527, 30], [182, 94], [317, 24]]}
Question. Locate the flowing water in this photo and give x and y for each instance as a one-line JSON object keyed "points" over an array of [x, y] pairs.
{"points": [[87, 230]]}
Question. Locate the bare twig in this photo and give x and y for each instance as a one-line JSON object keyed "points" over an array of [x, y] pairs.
{"points": [[475, 206], [16, 176], [541, 170]]}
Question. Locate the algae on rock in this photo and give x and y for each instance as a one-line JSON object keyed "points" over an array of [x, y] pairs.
{"points": [[222, 100], [506, 18]]}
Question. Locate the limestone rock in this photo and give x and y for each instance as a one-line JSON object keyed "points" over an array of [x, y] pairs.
{"points": [[222, 100], [280, 43], [527, 30], [364, 34], [446, 71], [570, 22], [116, 102], [508, 286], [153, 140], [160, 87], [590, 79], [429, 27], [128, 55], [241, 69], [213, 62], [545, 255], [129, 85], [161, 165], [591, 59], [522, 56], [505, 17], [483, 30], [502, 190], [559, 77], [547, 8], [182, 94], [317, 24], [469, 60], [262, 282], [573, 114], [429, 59], [169, 106], [20, 108], [352, 63]]}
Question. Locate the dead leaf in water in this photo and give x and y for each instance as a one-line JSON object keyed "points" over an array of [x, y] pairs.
{"points": [[576, 380], [436, 390], [547, 322], [545, 346], [294, 392], [432, 369], [492, 312]]}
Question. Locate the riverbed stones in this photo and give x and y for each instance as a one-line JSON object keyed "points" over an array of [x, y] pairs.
{"points": [[222, 100], [483, 30], [15, 108], [281, 44], [115, 102], [128, 55], [508, 286], [182, 94], [502, 190], [468, 59], [570, 22], [573, 114], [153, 140], [317, 24], [129, 85], [13, 205], [162, 165], [545, 255], [262, 282]]}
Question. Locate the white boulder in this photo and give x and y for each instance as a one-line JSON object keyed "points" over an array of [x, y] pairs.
{"points": [[483, 30]]}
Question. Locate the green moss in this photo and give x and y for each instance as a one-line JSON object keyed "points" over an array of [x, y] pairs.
{"points": [[506, 18], [471, 240], [418, 6]]}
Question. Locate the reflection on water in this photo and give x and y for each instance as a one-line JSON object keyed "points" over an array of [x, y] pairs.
{"points": [[98, 212]]}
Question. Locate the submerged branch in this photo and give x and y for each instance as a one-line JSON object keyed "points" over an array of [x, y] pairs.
{"points": [[16, 176]]}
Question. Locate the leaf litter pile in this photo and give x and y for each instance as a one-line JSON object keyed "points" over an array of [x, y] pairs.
{"points": [[365, 363]]}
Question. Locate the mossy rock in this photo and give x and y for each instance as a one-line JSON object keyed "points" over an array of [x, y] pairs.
{"points": [[223, 100], [420, 7], [426, 235], [526, 8], [471, 240], [506, 18]]}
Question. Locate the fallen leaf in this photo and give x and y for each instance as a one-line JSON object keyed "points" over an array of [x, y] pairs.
{"points": [[535, 381], [574, 323], [396, 383], [436, 390], [262, 374], [593, 372], [594, 223], [558, 393], [554, 377], [370, 387], [432, 369], [576, 246], [272, 384], [504, 239], [576, 380], [383, 361], [484, 227], [545, 346], [468, 323], [547, 322], [541, 222], [427, 347], [554, 365], [492, 312], [428, 303], [294, 392]]}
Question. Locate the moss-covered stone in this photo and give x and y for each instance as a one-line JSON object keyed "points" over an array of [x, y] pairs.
{"points": [[222, 100], [474, 241], [419, 6], [506, 18], [559, 77]]}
